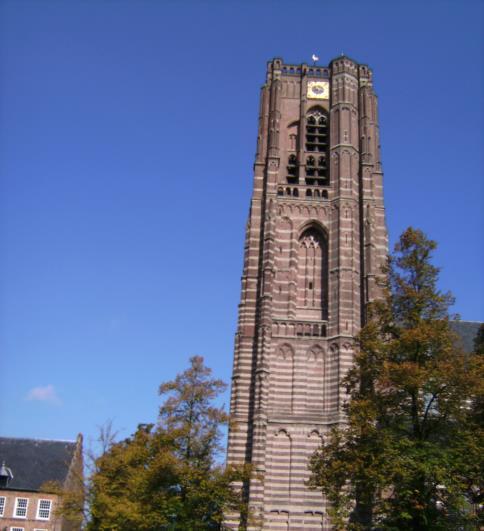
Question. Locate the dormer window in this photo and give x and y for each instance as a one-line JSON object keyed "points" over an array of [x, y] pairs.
{"points": [[5, 475]]}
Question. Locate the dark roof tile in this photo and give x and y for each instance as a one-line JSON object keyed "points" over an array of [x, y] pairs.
{"points": [[34, 461]]}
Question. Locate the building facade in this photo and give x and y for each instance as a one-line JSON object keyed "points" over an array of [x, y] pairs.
{"points": [[316, 238], [28, 468]]}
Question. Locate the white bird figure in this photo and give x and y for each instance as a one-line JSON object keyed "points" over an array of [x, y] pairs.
{"points": [[315, 58]]}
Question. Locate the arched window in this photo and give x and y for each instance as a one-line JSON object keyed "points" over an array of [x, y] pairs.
{"points": [[310, 166], [322, 166], [292, 169], [312, 274], [292, 163], [317, 141]]}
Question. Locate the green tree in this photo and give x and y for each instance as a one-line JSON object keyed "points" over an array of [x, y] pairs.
{"points": [[410, 453], [166, 476]]}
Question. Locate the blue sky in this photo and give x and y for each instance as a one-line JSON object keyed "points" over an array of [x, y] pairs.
{"points": [[127, 136]]}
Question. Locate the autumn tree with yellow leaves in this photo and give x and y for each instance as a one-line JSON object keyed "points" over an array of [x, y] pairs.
{"points": [[166, 476], [410, 455]]}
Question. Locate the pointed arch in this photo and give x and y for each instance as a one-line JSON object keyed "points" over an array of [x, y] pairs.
{"points": [[315, 379], [312, 271], [317, 142], [317, 110], [282, 377], [278, 478], [312, 223]]}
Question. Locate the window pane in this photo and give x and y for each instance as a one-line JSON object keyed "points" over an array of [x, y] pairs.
{"points": [[21, 505], [43, 510]]}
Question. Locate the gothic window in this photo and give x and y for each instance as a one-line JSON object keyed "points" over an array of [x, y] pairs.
{"points": [[322, 167], [317, 141], [312, 278], [292, 162], [292, 169]]}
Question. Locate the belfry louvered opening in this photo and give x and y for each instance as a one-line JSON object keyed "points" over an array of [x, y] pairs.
{"points": [[316, 147], [292, 169]]}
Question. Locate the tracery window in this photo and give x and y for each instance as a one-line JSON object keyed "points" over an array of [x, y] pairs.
{"points": [[313, 272], [317, 141], [292, 169]]}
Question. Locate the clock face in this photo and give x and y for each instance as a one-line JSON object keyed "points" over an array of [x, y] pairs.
{"points": [[318, 90]]}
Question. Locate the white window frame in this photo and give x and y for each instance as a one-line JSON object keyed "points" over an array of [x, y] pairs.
{"points": [[3, 503], [46, 518], [37, 529], [17, 529], [16, 507]]}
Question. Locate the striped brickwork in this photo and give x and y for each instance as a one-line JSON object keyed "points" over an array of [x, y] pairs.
{"points": [[313, 251]]}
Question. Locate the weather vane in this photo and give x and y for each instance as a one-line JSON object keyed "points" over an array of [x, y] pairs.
{"points": [[315, 58]]}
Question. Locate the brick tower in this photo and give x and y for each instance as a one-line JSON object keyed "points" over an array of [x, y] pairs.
{"points": [[316, 237]]}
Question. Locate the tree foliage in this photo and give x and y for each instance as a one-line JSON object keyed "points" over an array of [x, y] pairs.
{"points": [[166, 476], [410, 455]]}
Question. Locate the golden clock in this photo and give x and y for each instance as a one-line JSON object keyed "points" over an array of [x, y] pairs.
{"points": [[318, 90]]}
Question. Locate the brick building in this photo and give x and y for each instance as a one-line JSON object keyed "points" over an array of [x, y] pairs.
{"points": [[26, 466], [316, 237]]}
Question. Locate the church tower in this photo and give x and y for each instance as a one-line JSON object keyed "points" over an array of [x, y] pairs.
{"points": [[316, 238]]}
